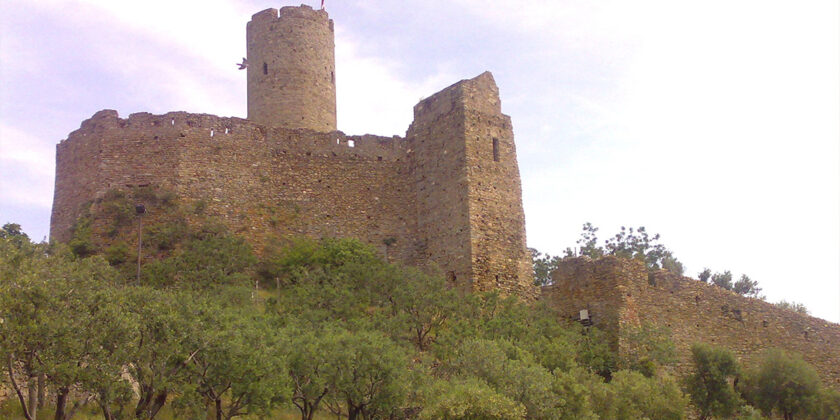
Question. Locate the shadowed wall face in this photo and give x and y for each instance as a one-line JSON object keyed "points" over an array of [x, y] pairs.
{"points": [[291, 69]]}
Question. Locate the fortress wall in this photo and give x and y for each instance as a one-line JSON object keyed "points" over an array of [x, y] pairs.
{"points": [[619, 294], [499, 255], [291, 68], [598, 286], [439, 165], [300, 182], [76, 174], [266, 182], [699, 312], [109, 152]]}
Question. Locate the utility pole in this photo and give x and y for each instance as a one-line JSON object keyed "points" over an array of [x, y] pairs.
{"points": [[141, 210]]}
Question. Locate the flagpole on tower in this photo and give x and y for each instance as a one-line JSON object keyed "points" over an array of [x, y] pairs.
{"points": [[322, 4]]}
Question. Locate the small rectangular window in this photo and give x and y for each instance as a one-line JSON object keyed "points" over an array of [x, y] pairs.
{"points": [[265, 68], [495, 149]]}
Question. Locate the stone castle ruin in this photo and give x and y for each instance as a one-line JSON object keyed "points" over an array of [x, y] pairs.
{"points": [[448, 194]]}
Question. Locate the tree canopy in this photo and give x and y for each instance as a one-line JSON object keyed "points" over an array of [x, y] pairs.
{"points": [[346, 332]]}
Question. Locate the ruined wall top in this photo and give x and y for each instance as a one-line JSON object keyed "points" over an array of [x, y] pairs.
{"points": [[301, 12], [477, 94]]}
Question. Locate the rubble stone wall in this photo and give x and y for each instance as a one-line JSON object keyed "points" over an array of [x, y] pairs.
{"points": [[619, 294]]}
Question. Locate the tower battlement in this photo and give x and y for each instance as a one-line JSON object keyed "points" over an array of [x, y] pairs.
{"points": [[446, 195], [479, 94]]}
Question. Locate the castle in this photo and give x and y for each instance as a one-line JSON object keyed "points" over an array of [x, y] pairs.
{"points": [[448, 194]]}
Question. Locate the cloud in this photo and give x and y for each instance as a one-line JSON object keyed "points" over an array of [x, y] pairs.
{"points": [[26, 169], [372, 97]]}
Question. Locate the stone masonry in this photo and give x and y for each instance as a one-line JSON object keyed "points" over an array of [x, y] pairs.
{"points": [[619, 293], [447, 194], [291, 69]]}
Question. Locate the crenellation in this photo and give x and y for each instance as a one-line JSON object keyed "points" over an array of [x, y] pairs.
{"points": [[304, 11], [267, 15]]}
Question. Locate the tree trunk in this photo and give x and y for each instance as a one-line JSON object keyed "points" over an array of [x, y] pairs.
{"points": [[33, 396], [308, 411], [218, 409], [106, 411], [18, 392], [149, 404], [61, 402], [42, 390], [160, 400], [352, 411]]}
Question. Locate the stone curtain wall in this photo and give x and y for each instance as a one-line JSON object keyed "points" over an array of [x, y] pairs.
{"points": [[107, 152], [437, 197], [619, 294], [304, 183], [291, 68], [258, 181], [696, 311], [599, 286]]}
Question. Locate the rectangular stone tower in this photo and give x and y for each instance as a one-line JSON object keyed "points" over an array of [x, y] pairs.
{"points": [[470, 218]]}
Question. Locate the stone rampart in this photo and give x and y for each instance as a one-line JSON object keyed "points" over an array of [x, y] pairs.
{"points": [[620, 293], [258, 180]]}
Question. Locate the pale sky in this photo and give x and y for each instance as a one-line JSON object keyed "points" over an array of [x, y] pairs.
{"points": [[713, 123]]}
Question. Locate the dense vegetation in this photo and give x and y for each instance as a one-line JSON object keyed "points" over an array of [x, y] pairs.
{"points": [[339, 331]]}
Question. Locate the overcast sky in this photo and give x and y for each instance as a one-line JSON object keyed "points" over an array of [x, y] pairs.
{"points": [[713, 123]]}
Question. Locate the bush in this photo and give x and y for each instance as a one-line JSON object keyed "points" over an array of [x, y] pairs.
{"points": [[782, 383]]}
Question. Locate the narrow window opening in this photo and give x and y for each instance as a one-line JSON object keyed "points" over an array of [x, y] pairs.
{"points": [[332, 76], [212, 132], [265, 68], [351, 143], [173, 121], [227, 130], [495, 149], [337, 141]]}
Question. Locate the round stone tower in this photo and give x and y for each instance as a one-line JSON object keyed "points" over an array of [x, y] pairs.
{"points": [[291, 69]]}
